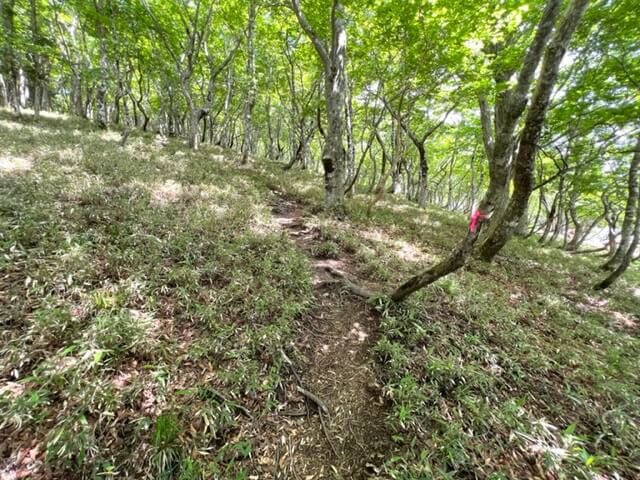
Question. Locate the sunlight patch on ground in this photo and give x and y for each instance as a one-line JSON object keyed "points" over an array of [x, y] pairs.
{"points": [[72, 155], [53, 115], [264, 224], [404, 250], [600, 305], [358, 332], [622, 320], [168, 192], [13, 164], [110, 136], [218, 210], [11, 125], [425, 221], [397, 207]]}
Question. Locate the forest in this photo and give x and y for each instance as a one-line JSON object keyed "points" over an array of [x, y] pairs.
{"points": [[320, 239]]}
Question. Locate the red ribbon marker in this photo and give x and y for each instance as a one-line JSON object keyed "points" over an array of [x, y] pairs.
{"points": [[475, 220]]}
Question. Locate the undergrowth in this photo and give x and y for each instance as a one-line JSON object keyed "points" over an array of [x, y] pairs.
{"points": [[144, 300], [142, 303]]}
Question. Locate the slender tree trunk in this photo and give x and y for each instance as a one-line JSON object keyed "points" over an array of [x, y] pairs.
{"points": [[626, 231], [102, 115], [9, 63], [423, 179], [250, 100], [35, 60], [611, 217], [224, 138], [396, 165], [351, 147], [271, 145]]}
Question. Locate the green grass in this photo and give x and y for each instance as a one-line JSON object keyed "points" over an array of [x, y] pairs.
{"points": [[144, 296], [135, 281], [501, 369]]}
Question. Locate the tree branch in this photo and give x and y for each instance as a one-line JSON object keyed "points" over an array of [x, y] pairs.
{"points": [[317, 42]]}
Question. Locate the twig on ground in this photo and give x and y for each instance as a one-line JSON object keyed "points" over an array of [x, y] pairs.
{"points": [[355, 438], [235, 405]]}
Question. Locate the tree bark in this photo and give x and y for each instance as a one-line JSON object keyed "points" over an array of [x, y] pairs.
{"points": [[36, 82], [333, 58], [9, 62], [507, 119], [509, 107], [250, 100], [102, 114], [626, 231], [627, 258]]}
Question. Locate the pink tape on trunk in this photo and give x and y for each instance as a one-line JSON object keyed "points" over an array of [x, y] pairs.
{"points": [[475, 220]]}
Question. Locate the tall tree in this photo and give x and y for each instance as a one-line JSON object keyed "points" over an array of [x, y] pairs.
{"points": [[250, 98], [333, 57], [524, 163], [504, 227], [9, 62]]}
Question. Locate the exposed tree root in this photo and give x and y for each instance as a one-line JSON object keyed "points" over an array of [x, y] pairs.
{"points": [[322, 408], [348, 285]]}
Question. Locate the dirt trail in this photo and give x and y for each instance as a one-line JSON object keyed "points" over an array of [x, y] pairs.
{"points": [[336, 340]]}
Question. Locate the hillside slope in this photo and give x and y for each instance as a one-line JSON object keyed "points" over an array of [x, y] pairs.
{"points": [[165, 314]]}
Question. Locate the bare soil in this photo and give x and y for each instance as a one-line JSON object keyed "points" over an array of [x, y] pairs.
{"points": [[335, 341]]}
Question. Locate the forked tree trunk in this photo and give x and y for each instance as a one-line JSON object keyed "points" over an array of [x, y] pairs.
{"points": [[523, 179], [524, 170], [333, 58], [627, 258]]}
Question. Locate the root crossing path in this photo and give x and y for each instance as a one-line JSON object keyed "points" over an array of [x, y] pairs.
{"points": [[331, 424]]}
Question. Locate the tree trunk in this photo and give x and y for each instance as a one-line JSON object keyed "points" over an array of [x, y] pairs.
{"points": [[351, 146], [626, 232], [396, 165], [35, 60], [333, 59], [459, 256], [525, 161], [250, 101], [627, 257], [102, 115], [611, 216], [423, 179], [453, 262], [9, 62]]}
